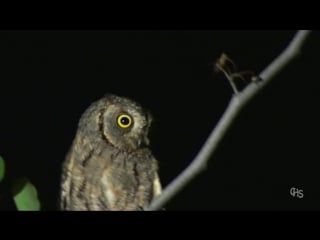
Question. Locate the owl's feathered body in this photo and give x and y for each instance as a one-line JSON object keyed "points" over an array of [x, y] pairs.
{"points": [[109, 166]]}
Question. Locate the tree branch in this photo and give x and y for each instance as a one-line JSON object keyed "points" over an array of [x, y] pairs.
{"points": [[236, 103]]}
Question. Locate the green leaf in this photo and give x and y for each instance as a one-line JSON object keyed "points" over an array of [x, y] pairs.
{"points": [[2, 168], [25, 195]]}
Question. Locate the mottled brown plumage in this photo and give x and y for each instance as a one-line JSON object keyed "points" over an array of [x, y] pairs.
{"points": [[109, 165]]}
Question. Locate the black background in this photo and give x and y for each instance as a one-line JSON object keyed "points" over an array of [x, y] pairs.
{"points": [[48, 78]]}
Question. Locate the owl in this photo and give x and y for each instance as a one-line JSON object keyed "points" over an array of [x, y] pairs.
{"points": [[109, 165]]}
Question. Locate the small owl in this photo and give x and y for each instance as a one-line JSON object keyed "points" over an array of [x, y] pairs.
{"points": [[109, 165]]}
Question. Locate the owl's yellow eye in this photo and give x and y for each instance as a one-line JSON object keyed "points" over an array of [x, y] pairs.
{"points": [[124, 121]]}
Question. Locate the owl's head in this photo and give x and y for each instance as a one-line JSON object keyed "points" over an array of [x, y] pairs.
{"points": [[120, 121]]}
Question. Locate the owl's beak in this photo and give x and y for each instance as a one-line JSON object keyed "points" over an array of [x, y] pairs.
{"points": [[143, 141], [146, 140]]}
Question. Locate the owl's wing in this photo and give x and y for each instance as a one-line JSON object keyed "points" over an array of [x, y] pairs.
{"points": [[157, 189], [156, 186], [65, 183]]}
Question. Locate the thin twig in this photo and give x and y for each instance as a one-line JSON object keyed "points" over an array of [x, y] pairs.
{"points": [[236, 103]]}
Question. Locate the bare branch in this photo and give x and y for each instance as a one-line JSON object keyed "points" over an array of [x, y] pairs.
{"points": [[237, 102]]}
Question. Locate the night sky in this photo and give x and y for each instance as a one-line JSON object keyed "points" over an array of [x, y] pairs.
{"points": [[48, 78]]}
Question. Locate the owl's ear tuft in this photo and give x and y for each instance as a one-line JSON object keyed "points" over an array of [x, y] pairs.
{"points": [[108, 95]]}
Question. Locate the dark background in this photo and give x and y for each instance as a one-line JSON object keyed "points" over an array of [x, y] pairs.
{"points": [[48, 78]]}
